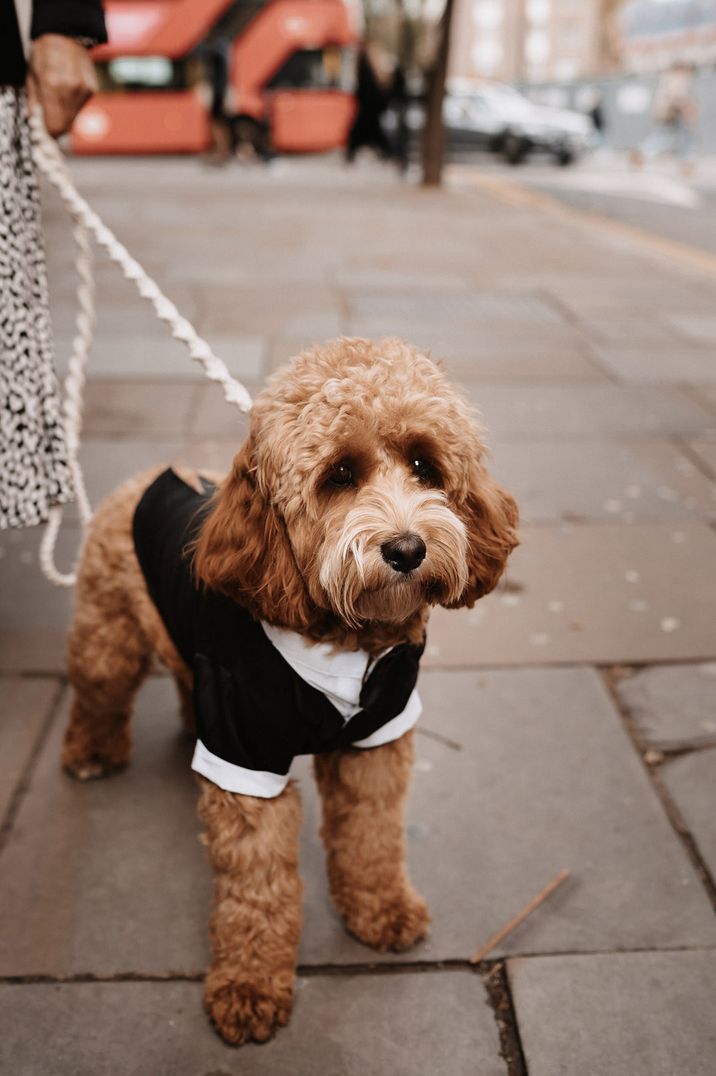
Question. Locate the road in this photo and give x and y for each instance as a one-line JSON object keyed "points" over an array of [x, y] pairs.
{"points": [[656, 198]]}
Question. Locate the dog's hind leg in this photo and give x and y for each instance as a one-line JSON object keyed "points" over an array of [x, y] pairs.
{"points": [[109, 649], [364, 794], [108, 659], [185, 696], [256, 922]]}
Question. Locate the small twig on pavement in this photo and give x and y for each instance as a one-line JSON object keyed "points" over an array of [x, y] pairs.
{"points": [[520, 917]]}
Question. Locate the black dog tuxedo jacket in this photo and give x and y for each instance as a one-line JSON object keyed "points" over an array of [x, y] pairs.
{"points": [[262, 694]]}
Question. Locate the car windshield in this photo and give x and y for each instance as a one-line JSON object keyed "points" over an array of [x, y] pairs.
{"points": [[499, 99], [506, 92]]}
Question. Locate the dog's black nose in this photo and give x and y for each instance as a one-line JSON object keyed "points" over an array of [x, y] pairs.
{"points": [[404, 553]]}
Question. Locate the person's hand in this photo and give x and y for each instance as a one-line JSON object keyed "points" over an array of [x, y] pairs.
{"points": [[61, 78]]}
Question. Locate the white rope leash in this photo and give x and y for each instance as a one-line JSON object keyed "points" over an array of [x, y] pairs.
{"points": [[51, 163]]}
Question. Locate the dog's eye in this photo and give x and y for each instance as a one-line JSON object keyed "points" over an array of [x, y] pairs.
{"points": [[341, 475], [424, 470]]}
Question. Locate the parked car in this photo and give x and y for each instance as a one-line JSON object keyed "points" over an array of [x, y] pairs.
{"points": [[501, 119]]}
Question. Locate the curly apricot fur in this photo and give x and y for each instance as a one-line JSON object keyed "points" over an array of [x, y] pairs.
{"points": [[303, 555]]}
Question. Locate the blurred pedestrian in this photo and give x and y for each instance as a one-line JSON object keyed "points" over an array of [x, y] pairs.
{"points": [[232, 134], [251, 136], [34, 472], [371, 99], [398, 106], [675, 114], [596, 115], [217, 71]]}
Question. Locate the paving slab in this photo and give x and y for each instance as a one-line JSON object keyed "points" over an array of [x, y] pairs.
{"points": [[681, 477], [210, 456], [691, 780], [36, 650], [675, 365], [125, 353], [282, 347], [623, 1014], [224, 263], [673, 706], [706, 451], [601, 593], [593, 295], [318, 324], [480, 337], [706, 396], [33, 613], [470, 306], [108, 461], [364, 273], [503, 355], [130, 407], [520, 773], [25, 704], [228, 310], [405, 1025], [109, 877], [620, 326], [122, 315], [700, 328], [604, 479], [584, 411], [213, 417]]}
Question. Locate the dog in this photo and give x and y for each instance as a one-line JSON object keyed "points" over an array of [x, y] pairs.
{"points": [[303, 580]]}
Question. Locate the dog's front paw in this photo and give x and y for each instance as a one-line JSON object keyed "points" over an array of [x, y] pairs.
{"points": [[93, 768], [241, 1010], [89, 759], [395, 921]]}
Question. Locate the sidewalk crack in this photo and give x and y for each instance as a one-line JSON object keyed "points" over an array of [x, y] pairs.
{"points": [[673, 814], [497, 986], [23, 782]]}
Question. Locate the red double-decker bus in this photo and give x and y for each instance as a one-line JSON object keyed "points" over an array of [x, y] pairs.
{"points": [[290, 66]]}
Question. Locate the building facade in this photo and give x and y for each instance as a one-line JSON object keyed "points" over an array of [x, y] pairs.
{"points": [[527, 40], [655, 35]]}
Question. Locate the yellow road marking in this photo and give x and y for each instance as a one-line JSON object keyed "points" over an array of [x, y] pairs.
{"points": [[515, 194]]}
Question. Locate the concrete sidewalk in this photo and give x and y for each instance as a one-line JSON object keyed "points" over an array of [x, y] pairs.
{"points": [[570, 719]]}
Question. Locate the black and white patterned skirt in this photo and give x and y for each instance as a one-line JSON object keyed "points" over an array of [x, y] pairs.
{"points": [[34, 474]]}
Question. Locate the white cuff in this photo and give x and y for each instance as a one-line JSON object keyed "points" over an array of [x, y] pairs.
{"points": [[234, 778], [393, 730]]}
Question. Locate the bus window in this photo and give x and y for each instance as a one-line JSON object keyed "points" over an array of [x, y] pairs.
{"points": [[313, 69], [141, 73]]}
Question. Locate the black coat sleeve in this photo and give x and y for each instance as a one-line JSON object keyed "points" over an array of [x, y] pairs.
{"points": [[72, 18], [12, 61]]}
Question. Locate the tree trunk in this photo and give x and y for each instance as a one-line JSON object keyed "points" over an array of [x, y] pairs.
{"points": [[434, 131]]}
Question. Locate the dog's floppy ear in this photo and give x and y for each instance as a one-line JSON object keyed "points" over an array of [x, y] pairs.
{"points": [[243, 550], [491, 516]]}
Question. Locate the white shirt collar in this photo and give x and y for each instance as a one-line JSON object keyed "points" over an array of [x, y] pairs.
{"points": [[339, 674]]}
